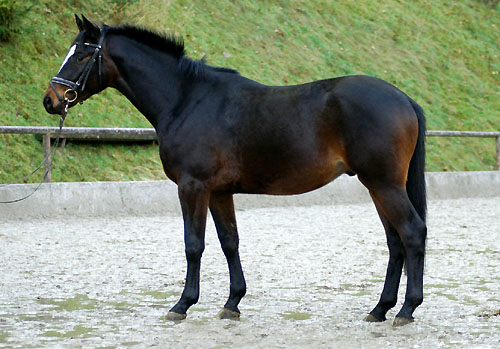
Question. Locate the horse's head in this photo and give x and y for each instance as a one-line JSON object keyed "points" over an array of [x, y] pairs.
{"points": [[83, 72]]}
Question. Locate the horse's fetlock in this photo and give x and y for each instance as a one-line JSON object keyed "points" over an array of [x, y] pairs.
{"points": [[191, 298], [416, 301], [238, 291], [388, 304]]}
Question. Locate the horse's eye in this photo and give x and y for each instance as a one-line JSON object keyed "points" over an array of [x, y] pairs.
{"points": [[80, 58]]}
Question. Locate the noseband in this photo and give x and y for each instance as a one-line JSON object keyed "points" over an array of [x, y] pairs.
{"points": [[79, 85]]}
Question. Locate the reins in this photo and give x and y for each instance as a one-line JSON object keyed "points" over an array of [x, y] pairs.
{"points": [[51, 155]]}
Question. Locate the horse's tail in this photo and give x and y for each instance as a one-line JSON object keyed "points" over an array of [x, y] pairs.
{"points": [[415, 185]]}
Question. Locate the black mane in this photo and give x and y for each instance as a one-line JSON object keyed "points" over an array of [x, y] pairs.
{"points": [[172, 45]]}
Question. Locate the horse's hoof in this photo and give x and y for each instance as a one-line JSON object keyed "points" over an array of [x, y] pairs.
{"points": [[225, 313], [401, 321], [371, 318], [171, 316]]}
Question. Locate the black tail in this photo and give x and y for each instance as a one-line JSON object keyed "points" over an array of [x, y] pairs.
{"points": [[415, 185]]}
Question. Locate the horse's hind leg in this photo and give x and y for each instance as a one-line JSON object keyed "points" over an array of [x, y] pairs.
{"points": [[389, 296], [394, 204], [222, 209]]}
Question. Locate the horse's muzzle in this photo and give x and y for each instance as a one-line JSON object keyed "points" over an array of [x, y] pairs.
{"points": [[51, 104]]}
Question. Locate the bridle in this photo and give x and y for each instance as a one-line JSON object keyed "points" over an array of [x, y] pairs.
{"points": [[71, 94]]}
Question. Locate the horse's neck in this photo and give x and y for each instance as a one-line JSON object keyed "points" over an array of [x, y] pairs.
{"points": [[151, 85]]}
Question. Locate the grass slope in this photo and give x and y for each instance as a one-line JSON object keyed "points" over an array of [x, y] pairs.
{"points": [[443, 54]]}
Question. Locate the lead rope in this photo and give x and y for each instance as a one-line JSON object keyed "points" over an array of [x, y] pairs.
{"points": [[51, 155], [73, 87]]}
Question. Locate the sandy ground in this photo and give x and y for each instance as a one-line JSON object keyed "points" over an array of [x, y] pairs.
{"points": [[313, 273]]}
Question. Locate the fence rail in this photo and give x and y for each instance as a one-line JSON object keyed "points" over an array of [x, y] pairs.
{"points": [[479, 134], [87, 133], [149, 134]]}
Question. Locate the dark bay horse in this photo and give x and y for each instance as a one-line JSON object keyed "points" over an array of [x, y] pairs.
{"points": [[220, 133]]}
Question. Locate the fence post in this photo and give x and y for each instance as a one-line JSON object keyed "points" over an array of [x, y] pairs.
{"points": [[498, 153], [46, 156]]}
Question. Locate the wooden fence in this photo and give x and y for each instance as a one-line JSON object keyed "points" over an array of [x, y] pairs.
{"points": [[149, 134]]}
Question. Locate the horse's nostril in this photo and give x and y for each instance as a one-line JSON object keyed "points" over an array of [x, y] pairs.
{"points": [[47, 102]]}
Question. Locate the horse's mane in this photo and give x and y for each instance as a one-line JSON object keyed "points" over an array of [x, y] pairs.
{"points": [[172, 45]]}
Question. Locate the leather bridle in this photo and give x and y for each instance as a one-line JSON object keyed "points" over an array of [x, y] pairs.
{"points": [[71, 94]]}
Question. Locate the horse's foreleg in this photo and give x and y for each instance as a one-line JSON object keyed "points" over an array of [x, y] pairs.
{"points": [[194, 203], [396, 206], [222, 209], [389, 296]]}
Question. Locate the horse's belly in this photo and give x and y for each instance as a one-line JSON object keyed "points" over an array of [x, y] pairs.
{"points": [[306, 180], [298, 180]]}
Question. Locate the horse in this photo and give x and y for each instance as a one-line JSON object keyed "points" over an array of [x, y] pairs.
{"points": [[220, 133]]}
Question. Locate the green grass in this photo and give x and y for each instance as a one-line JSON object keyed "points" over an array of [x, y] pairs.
{"points": [[443, 54]]}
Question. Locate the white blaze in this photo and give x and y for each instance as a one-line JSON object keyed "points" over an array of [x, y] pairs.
{"points": [[71, 52]]}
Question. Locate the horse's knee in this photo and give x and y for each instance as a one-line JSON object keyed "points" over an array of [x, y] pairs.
{"points": [[229, 246], [194, 253]]}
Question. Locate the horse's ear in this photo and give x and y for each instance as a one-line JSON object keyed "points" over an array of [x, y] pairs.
{"points": [[79, 22], [93, 31]]}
